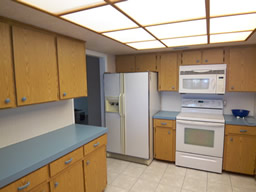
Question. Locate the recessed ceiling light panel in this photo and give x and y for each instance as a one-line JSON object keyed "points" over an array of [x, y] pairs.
{"points": [[101, 19], [229, 37], [130, 35], [147, 45], [60, 6], [186, 41], [148, 12], [230, 7], [233, 23], [180, 29]]}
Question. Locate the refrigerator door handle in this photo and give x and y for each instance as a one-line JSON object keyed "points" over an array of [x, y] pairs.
{"points": [[123, 105], [120, 103]]}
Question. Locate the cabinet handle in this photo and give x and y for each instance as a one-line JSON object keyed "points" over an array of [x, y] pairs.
{"points": [[24, 186], [232, 87], [163, 123], [197, 61], [64, 94], [56, 184], [231, 139], [68, 161], [206, 60], [87, 162], [96, 144], [169, 132], [173, 87], [7, 101], [243, 131], [23, 99]]}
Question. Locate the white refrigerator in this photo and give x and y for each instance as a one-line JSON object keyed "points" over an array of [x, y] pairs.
{"points": [[131, 99]]}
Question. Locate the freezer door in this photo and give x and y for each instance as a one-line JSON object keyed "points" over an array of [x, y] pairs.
{"points": [[136, 112], [113, 90]]}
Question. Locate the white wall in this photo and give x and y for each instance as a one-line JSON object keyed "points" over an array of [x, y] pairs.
{"points": [[171, 101], [21, 123]]}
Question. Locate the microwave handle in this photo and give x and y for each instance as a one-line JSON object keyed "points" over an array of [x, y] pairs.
{"points": [[201, 71], [200, 123]]}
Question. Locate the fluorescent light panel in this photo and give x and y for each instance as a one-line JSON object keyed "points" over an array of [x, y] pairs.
{"points": [[233, 23], [186, 41], [101, 19], [180, 29], [130, 35], [148, 12], [229, 37], [60, 6], [230, 7], [146, 45]]}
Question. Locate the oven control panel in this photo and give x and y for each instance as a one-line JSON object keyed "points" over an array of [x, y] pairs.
{"points": [[202, 103]]}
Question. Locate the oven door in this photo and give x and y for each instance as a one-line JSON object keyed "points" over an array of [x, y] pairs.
{"points": [[197, 83], [200, 137]]}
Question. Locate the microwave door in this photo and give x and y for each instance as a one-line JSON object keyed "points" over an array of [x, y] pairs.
{"points": [[197, 84]]}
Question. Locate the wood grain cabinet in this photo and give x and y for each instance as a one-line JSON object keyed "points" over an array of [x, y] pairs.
{"points": [[242, 69], [213, 56], [164, 139], [240, 149], [72, 68], [146, 62], [35, 66], [191, 57], [125, 63], [41, 188], [7, 88], [168, 72]]}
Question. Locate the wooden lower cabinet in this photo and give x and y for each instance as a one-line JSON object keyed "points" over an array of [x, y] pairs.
{"points": [[240, 150], [164, 139], [95, 170], [42, 188], [69, 180]]}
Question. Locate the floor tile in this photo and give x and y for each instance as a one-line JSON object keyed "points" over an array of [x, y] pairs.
{"points": [[144, 186], [196, 185], [172, 180], [114, 189], [111, 176], [222, 178], [134, 170], [217, 187], [173, 169], [153, 175], [158, 165], [118, 166], [241, 181], [240, 189], [124, 181], [167, 188], [196, 174]]}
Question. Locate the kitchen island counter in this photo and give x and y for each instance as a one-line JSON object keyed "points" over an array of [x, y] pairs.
{"points": [[169, 115]]}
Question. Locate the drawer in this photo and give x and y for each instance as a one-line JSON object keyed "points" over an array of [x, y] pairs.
{"points": [[242, 130], [41, 188], [164, 123], [96, 143], [29, 181], [66, 161]]}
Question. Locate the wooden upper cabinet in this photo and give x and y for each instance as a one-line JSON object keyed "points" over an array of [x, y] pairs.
{"points": [[168, 72], [7, 89], [213, 56], [125, 63], [191, 58], [242, 69], [72, 68], [35, 66], [146, 62]]}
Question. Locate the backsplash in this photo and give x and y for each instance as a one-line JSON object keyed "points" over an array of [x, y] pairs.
{"points": [[171, 101]]}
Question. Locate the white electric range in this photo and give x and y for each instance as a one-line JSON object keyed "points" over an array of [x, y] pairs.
{"points": [[200, 134]]}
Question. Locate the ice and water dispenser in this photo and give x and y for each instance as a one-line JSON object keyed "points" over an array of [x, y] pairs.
{"points": [[112, 104]]}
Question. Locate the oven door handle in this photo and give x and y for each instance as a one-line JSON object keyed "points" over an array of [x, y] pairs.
{"points": [[201, 123]]}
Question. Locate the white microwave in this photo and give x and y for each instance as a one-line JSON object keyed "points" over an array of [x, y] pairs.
{"points": [[207, 79]]}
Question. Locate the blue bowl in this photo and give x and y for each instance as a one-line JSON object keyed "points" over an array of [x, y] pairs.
{"points": [[240, 112]]}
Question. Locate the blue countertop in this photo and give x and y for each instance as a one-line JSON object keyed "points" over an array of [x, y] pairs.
{"points": [[19, 159], [170, 115], [247, 121]]}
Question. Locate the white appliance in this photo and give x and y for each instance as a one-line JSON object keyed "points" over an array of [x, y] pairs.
{"points": [[131, 99], [210, 79], [200, 134]]}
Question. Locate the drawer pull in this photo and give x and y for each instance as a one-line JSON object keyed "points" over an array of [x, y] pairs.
{"points": [[243, 131], [56, 184], [24, 186], [169, 132], [68, 161], [87, 162], [96, 144], [163, 123], [7, 101]]}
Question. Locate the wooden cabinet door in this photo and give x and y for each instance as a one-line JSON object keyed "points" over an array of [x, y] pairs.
{"points": [[7, 89], [125, 63], [213, 56], [168, 72], [163, 143], [191, 58], [35, 66], [146, 62], [95, 170], [69, 180], [72, 68], [240, 154], [42, 188], [242, 69]]}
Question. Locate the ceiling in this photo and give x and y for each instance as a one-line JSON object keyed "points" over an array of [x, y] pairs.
{"points": [[98, 42]]}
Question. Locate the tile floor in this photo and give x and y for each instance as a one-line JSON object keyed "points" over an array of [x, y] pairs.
{"points": [[160, 176]]}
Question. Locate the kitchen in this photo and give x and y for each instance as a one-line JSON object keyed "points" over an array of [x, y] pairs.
{"points": [[54, 115]]}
